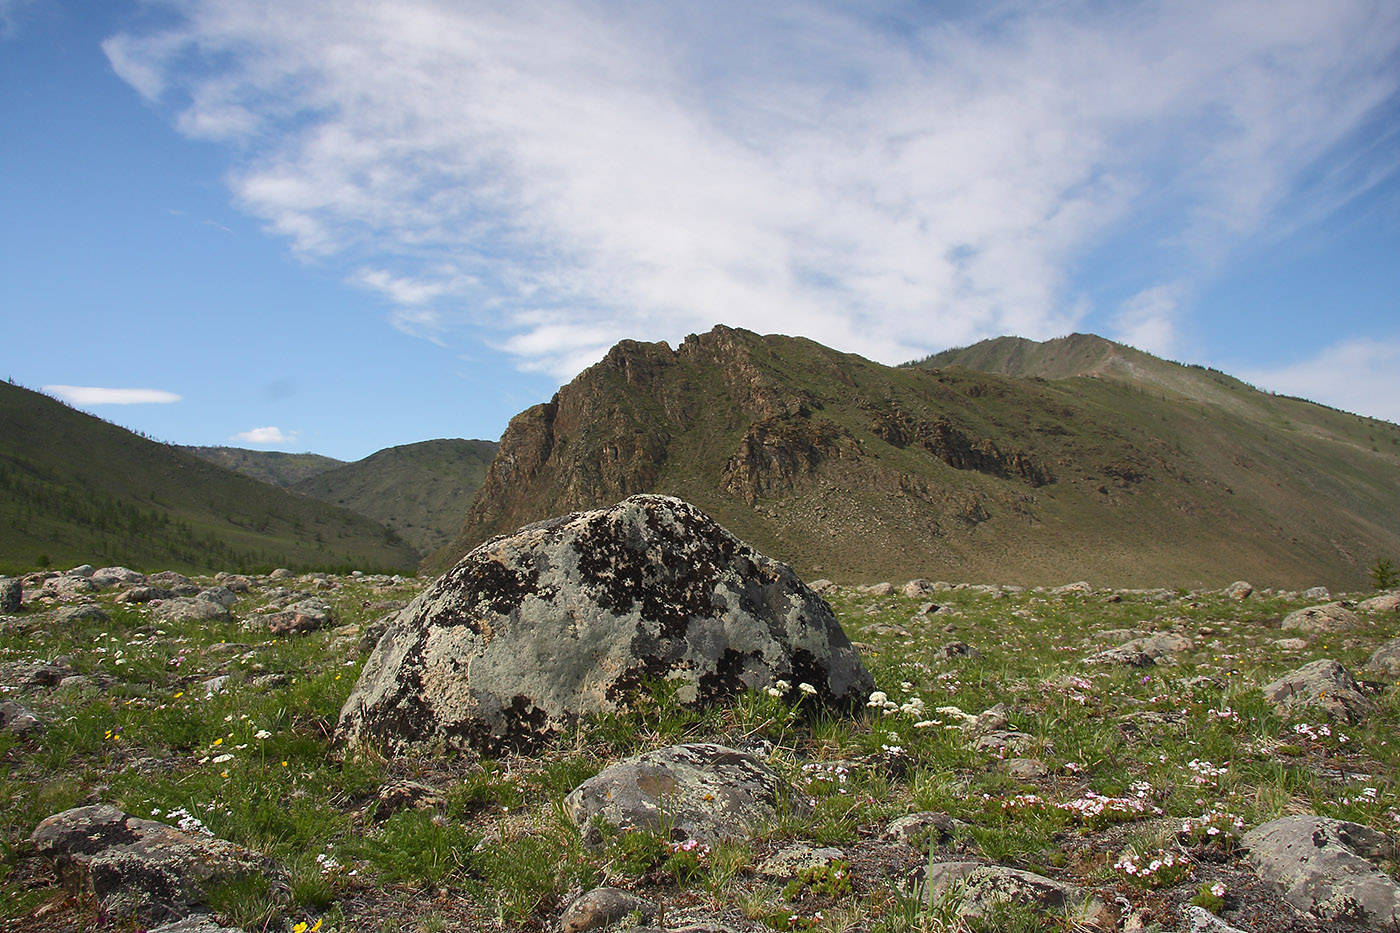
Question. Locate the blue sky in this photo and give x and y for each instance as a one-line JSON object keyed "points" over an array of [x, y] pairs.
{"points": [[340, 226]]}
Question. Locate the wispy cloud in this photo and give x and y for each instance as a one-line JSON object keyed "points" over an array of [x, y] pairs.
{"points": [[1354, 375], [886, 179], [96, 395], [268, 435], [1148, 321]]}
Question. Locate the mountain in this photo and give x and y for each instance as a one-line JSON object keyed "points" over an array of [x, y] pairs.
{"points": [[77, 489], [421, 490], [1086, 460], [270, 466]]}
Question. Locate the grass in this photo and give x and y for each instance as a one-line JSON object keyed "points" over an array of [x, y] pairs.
{"points": [[1133, 764]]}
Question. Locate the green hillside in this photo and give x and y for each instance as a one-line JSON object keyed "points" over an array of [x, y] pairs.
{"points": [[421, 490], [270, 466], [854, 470], [75, 489]]}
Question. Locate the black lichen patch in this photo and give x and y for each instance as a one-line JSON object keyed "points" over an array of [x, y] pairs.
{"points": [[488, 583]]}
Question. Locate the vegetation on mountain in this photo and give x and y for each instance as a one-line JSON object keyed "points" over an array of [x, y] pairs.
{"points": [[77, 488], [420, 490], [271, 466], [1086, 460]]}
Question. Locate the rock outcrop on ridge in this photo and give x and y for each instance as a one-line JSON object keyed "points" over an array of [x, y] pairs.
{"points": [[574, 615]]}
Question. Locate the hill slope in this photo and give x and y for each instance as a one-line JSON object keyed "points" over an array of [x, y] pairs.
{"points": [[270, 466], [421, 490], [850, 469], [79, 489]]}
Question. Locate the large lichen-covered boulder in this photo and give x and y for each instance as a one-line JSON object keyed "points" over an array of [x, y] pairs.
{"points": [[702, 791], [572, 616], [1323, 685]]}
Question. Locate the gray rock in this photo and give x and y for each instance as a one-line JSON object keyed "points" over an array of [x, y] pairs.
{"points": [[20, 674], [705, 792], [185, 589], [218, 594], [1323, 684], [984, 889], [1291, 644], [1159, 647], [308, 615], [82, 570], [791, 861], [1026, 769], [876, 589], [1386, 602], [1386, 658], [1068, 588], [236, 582], [1239, 590], [281, 573], [1324, 619], [144, 594], [195, 923], [1200, 920], [140, 868], [917, 589], [1317, 592], [956, 649], [11, 594], [921, 829], [186, 609], [572, 616], [111, 576], [602, 907], [1005, 743], [67, 586], [83, 612], [19, 720], [1328, 868], [168, 578], [1123, 655]]}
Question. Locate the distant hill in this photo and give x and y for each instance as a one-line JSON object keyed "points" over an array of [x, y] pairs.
{"points": [[270, 466], [421, 490], [75, 488], [1085, 459]]}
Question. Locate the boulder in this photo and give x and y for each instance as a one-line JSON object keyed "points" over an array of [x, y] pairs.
{"points": [[1159, 647], [876, 589], [281, 573], [1323, 684], [1328, 868], [218, 594], [573, 616], [144, 594], [82, 570], [1386, 658], [1386, 602], [917, 589], [11, 594], [20, 674], [111, 576], [187, 609], [1317, 592], [922, 829], [1239, 590], [67, 586], [140, 868], [308, 615], [1123, 656], [705, 792], [1321, 620], [168, 578]]}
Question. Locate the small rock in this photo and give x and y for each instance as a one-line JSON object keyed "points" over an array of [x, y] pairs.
{"points": [[602, 907], [218, 594], [956, 649], [1068, 588], [917, 589], [281, 573], [1005, 743], [1026, 769], [1160, 647], [1328, 868], [1386, 658], [144, 594], [1200, 920], [215, 685], [167, 578], [822, 586], [19, 674], [1122, 655], [986, 889], [82, 570], [1324, 619], [111, 576], [921, 829], [236, 582], [404, 795], [83, 612], [876, 589], [1324, 684], [791, 861], [1317, 592], [195, 923], [308, 615], [67, 586], [1291, 644]]}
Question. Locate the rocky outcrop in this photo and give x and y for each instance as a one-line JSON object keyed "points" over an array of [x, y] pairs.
{"points": [[957, 448], [140, 868], [575, 615], [704, 792], [775, 454], [1328, 868]]}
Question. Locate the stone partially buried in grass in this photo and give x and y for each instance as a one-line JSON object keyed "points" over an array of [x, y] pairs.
{"points": [[1328, 868], [705, 792], [1324, 684], [574, 616], [1321, 620]]}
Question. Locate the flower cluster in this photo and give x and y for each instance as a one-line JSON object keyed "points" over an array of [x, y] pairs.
{"points": [[823, 779], [186, 821], [1207, 774], [1217, 827], [1161, 870], [693, 847], [1097, 811], [1224, 714], [1320, 734]]}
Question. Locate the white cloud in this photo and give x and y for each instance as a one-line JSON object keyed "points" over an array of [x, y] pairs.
{"points": [[95, 395], [1360, 376], [564, 173], [1148, 321], [268, 435]]}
